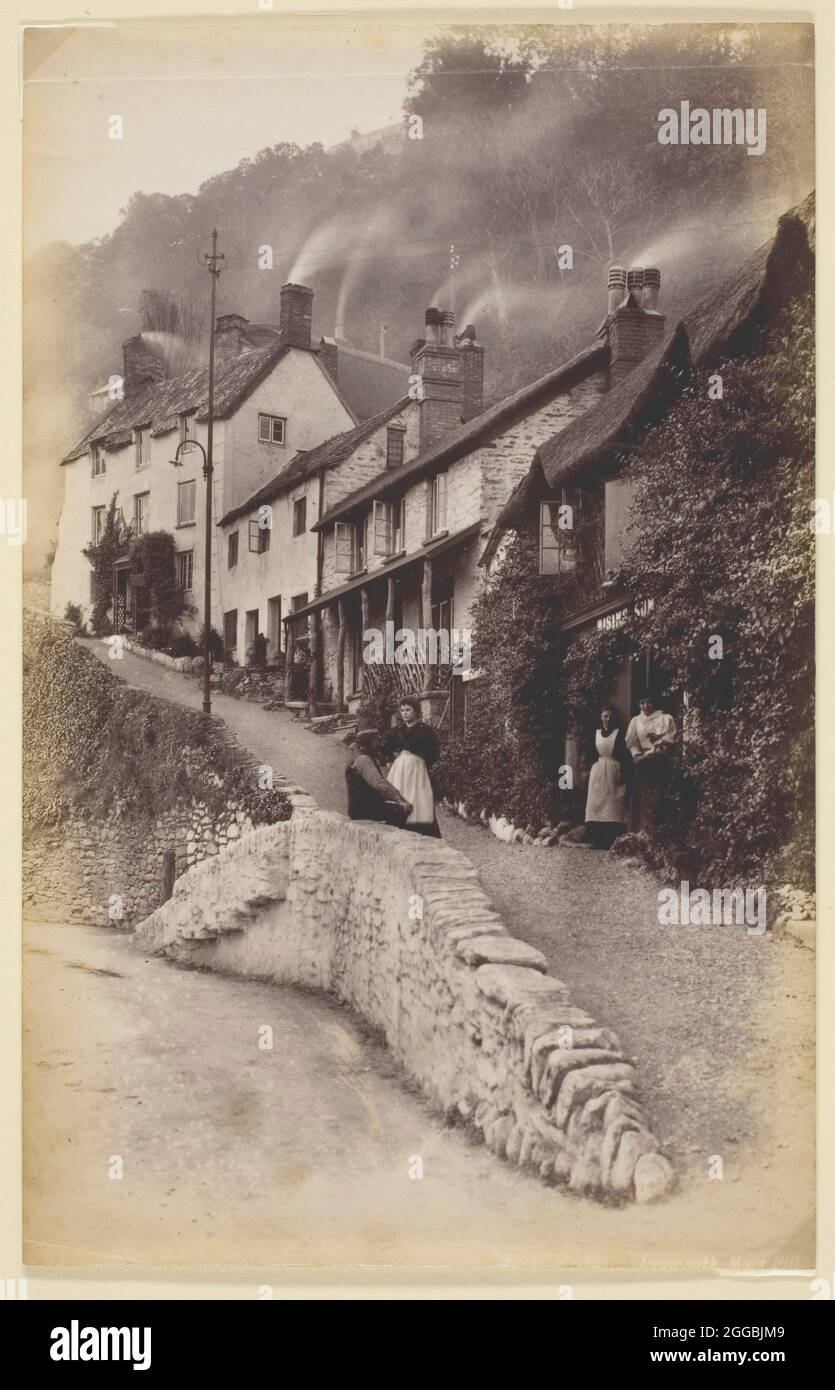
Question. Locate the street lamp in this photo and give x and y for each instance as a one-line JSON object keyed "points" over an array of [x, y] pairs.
{"points": [[208, 470], [214, 264]]}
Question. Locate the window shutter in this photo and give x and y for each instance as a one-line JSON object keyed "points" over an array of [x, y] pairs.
{"points": [[343, 547], [382, 528]]}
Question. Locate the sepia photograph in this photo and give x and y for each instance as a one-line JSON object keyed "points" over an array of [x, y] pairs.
{"points": [[418, 645]]}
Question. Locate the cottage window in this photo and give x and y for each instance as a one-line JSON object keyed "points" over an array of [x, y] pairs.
{"points": [[349, 547], [141, 513], [186, 501], [259, 538], [186, 430], [142, 444], [230, 630], [272, 429], [299, 516], [99, 461], [558, 532], [185, 569], [232, 550], [395, 443], [99, 518], [438, 507], [387, 527]]}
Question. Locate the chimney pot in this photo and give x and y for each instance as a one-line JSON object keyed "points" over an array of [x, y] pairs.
{"points": [[616, 286], [652, 286], [635, 282], [447, 328]]}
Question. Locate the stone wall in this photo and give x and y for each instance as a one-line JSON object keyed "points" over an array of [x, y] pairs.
{"points": [[110, 872], [397, 927]]}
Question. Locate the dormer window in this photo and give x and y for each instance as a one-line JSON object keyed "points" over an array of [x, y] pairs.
{"points": [[272, 429], [395, 446], [98, 460], [558, 533]]}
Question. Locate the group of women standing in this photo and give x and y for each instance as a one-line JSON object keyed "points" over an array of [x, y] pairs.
{"points": [[627, 771]]}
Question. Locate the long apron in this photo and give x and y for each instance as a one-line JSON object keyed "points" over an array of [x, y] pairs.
{"points": [[408, 774]]}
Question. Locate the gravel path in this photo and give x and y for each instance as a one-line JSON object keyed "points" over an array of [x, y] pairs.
{"points": [[720, 1023]]}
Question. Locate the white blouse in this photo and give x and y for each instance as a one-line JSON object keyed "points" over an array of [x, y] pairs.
{"points": [[646, 730]]}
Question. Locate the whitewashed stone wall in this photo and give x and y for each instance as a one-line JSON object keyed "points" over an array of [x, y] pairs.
{"points": [[398, 927]]}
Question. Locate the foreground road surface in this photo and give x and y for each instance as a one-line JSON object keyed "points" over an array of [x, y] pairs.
{"points": [[232, 1155]]}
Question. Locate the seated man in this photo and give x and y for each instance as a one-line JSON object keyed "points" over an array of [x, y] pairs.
{"points": [[370, 795]]}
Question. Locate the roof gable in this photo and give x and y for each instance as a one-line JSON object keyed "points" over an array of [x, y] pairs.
{"points": [[329, 454]]}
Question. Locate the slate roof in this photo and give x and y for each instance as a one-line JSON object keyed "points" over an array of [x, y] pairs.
{"points": [[308, 461], [159, 406], [476, 432]]}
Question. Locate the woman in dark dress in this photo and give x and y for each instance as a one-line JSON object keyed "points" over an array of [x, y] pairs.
{"points": [[415, 748]]}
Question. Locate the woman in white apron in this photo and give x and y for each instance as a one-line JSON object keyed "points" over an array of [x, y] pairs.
{"points": [[608, 782], [415, 748]]}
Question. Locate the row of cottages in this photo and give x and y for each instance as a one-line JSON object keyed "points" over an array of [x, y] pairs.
{"points": [[277, 394], [587, 466], [400, 547]]}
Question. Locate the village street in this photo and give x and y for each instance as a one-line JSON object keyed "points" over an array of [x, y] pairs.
{"points": [[721, 1025]]}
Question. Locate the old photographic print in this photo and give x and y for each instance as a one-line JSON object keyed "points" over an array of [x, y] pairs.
{"points": [[418, 645]]}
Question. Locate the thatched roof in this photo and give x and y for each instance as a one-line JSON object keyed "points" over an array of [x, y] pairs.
{"points": [[464, 439], [308, 461], [719, 326]]}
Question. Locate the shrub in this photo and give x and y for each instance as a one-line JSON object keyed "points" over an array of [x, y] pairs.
{"points": [[153, 556], [183, 645], [216, 647], [94, 746], [73, 614]]}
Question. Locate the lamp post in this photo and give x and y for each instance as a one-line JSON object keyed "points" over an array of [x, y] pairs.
{"points": [[213, 261], [183, 446]]}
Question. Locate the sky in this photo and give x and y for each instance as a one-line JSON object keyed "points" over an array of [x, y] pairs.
{"points": [[194, 99]]}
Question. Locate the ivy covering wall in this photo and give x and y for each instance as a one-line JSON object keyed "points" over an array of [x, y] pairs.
{"points": [[722, 543]]}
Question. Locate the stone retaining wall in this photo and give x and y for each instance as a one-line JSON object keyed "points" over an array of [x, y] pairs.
{"points": [[397, 926]]}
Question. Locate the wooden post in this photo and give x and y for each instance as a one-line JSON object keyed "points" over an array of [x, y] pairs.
{"points": [[365, 615], [340, 658], [289, 653], [390, 599], [426, 619], [313, 684]]}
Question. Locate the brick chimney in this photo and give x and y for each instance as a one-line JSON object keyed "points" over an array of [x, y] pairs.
{"points": [[633, 325], [142, 365], [437, 361], [472, 373], [296, 316], [229, 333]]}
